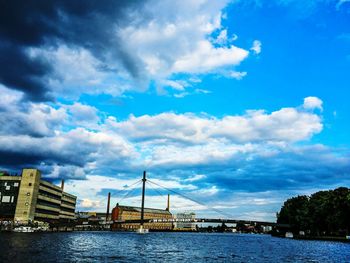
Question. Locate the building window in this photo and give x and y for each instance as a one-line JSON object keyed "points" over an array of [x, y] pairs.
{"points": [[31, 174], [30, 184], [6, 199], [15, 184], [28, 194], [26, 203]]}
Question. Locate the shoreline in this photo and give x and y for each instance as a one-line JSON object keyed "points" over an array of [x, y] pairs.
{"points": [[316, 238], [323, 238]]}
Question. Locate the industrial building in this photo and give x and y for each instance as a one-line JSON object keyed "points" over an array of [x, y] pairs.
{"points": [[122, 213], [161, 219], [26, 198]]}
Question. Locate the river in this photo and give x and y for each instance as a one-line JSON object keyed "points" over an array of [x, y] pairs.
{"points": [[165, 247]]}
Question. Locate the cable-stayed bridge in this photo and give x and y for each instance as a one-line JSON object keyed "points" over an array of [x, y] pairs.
{"points": [[225, 217]]}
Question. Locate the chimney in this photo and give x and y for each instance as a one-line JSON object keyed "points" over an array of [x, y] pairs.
{"points": [[62, 184], [168, 204], [108, 203]]}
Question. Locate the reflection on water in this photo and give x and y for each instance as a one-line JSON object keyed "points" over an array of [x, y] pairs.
{"points": [[164, 247]]}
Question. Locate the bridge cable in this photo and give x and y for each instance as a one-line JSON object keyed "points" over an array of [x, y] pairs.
{"points": [[193, 200], [152, 188], [120, 191], [129, 192]]}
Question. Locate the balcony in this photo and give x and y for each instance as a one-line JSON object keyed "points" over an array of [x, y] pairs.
{"points": [[42, 215], [49, 190], [49, 199], [49, 208]]}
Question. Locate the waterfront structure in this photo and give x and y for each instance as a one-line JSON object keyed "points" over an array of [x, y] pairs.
{"points": [[138, 219], [124, 213], [91, 217], [27, 198], [95, 221], [185, 221]]}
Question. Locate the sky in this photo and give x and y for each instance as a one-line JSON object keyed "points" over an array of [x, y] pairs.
{"points": [[237, 104]]}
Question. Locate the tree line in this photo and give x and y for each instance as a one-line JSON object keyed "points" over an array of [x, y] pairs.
{"points": [[324, 213]]}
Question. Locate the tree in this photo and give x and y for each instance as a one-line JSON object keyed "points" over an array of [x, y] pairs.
{"points": [[323, 213], [295, 213]]}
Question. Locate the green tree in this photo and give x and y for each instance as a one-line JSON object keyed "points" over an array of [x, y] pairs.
{"points": [[323, 213], [295, 212], [340, 218], [320, 208]]}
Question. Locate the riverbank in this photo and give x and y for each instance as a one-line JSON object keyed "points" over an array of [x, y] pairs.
{"points": [[324, 238]]}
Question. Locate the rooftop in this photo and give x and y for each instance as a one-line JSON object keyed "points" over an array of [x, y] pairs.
{"points": [[146, 210]]}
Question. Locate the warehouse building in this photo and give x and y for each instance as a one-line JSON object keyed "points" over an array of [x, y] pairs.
{"points": [[162, 218], [27, 198]]}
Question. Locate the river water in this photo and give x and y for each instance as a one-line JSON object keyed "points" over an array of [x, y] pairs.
{"points": [[165, 247]]}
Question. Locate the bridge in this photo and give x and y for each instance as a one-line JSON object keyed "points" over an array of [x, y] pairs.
{"points": [[200, 220], [142, 220]]}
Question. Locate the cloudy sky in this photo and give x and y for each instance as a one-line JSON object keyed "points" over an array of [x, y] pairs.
{"points": [[237, 104]]}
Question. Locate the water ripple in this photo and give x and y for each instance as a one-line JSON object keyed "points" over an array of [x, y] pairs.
{"points": [[164, 247]]}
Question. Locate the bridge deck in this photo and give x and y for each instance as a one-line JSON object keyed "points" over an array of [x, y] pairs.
{"points": [[201, 220]]}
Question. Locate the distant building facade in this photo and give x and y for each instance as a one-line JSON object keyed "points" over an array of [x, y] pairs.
{"points": [[91, 217], [27, 198], [184, 221], [122, 213]]}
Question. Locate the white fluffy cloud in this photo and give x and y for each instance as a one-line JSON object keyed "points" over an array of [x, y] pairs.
{"points": [[163, 39], [77, 71], [179, 42], [311, 103], [256, 47], [206, 58], [287, 124], [164, 140], [197, 153], [83, 115], [33, 119]]}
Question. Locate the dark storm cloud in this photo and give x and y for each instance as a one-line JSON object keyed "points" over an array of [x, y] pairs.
{"points": [[20, 72], [287, 170], [15, 159], [43, 23], [310, 167]]}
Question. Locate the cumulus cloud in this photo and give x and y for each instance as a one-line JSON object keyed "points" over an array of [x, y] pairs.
{"points": [[61, 148], [162, 140], [32, 119], [195, 178], [201, 155], [83, 115], [222, 37], [237, 75], [90, 204], [47, 134], [256, 47], [59, 140], [111, 47], [287, 124], [205, 58], [75, 70], [311, 103]]}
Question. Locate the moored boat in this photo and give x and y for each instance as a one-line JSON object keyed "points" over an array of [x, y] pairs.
{"points": [[23, 229]]}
